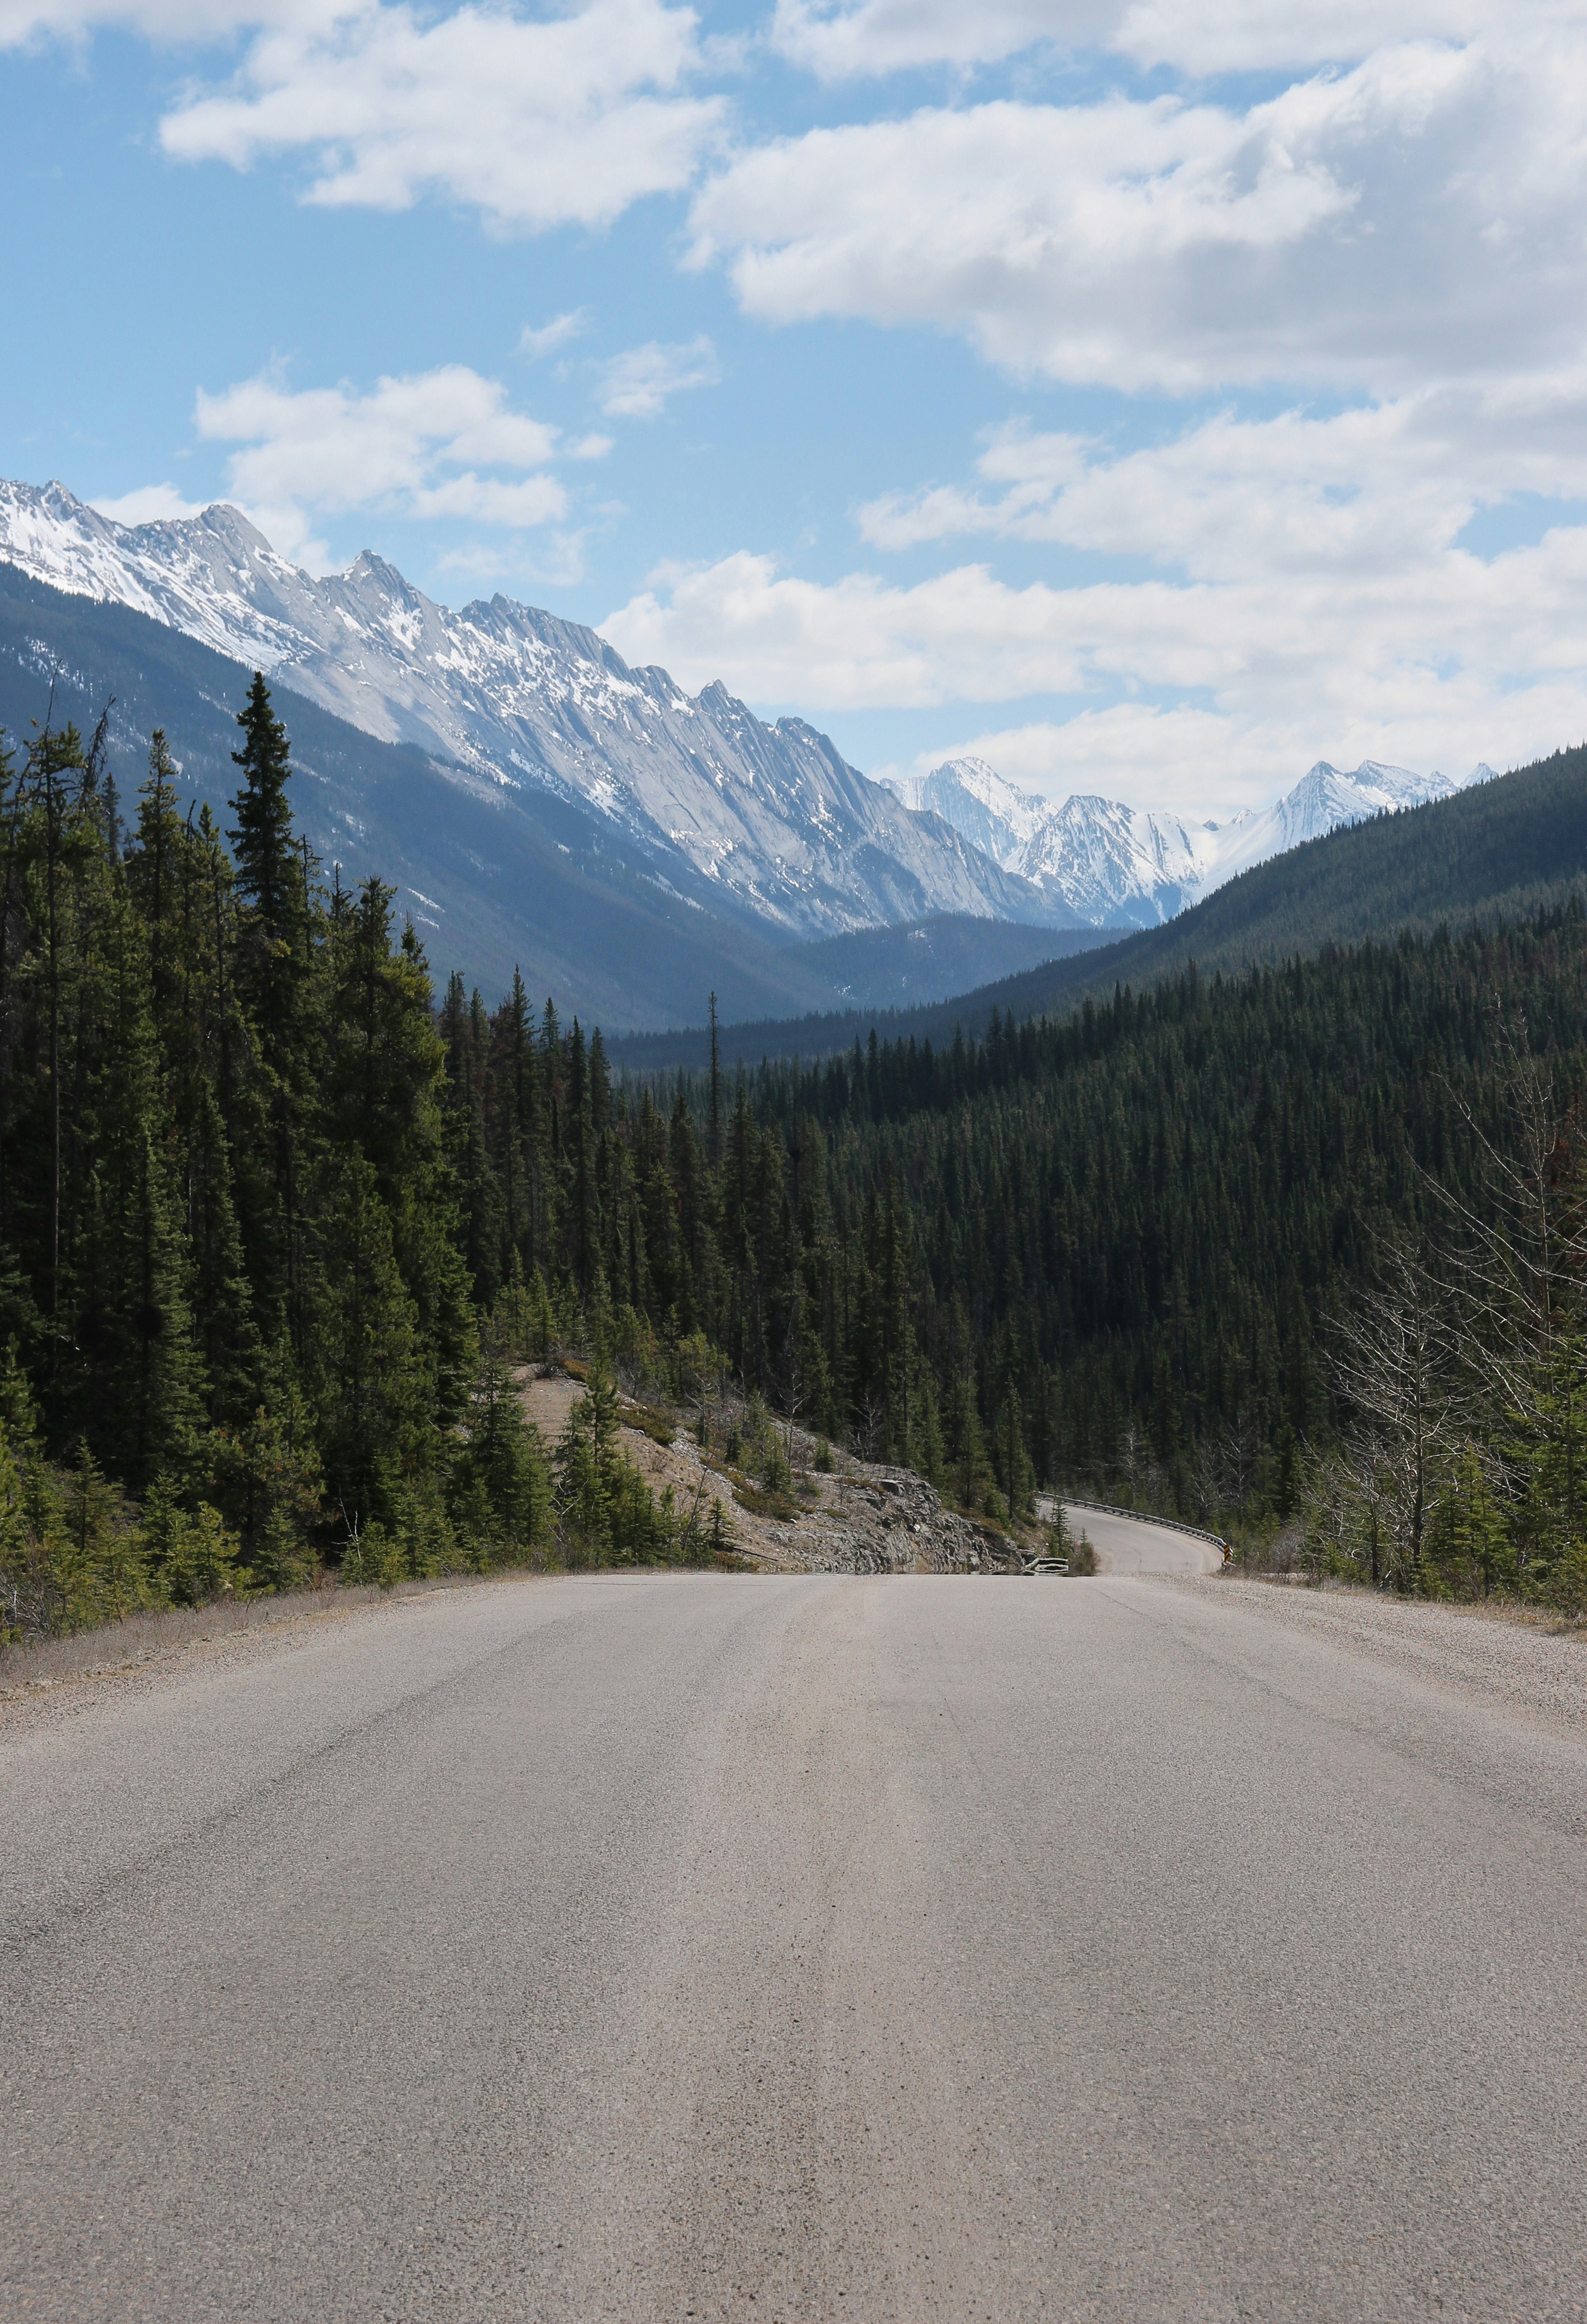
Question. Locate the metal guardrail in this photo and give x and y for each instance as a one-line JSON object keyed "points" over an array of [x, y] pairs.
{"points": [[1142, 1516]]}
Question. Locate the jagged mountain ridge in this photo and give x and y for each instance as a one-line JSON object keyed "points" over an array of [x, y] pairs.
{"points": [[769, 823], [1115, 865], [1498, 851], [992, 813], [542, 887], [1111, 865]]}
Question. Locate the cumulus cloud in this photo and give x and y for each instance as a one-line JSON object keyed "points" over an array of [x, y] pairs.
{"points": [[150, 504], [1374, 491], [840, 42], [536, 122], [1205, 37], [204, 21], [439, 444], [637, 384], [1416, 214], [849, 38]]}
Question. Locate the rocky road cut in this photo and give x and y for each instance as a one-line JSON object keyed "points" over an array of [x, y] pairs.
{"points": [[799, 1948]]}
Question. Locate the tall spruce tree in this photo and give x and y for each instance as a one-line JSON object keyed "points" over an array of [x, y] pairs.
{"points": [[268, 865], [272, 964]]}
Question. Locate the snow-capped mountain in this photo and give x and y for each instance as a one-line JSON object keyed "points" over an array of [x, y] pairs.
{"points": [[768, 823], [1114, 865], [1323, 799], [1111, 865], [990, 813]]}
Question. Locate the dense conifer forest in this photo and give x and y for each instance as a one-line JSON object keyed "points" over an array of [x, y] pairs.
{"points": [[1296, 1251]]}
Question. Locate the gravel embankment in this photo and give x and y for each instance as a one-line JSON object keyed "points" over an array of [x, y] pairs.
{"points": [[1507, 1659]]}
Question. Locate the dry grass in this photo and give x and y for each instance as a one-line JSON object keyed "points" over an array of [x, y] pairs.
{"points": [[659, 1426], [1522, 1613]]}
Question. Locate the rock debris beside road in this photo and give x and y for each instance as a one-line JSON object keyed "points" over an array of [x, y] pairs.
{"points": [[862, 1518]]}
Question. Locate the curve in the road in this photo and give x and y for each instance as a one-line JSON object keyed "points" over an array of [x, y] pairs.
{"points": [[1137, 1545]]}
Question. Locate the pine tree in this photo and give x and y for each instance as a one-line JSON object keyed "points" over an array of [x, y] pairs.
{"points": [[370, 1387], [273, 961], [268, 866], [154, 881], [145, 1384]]}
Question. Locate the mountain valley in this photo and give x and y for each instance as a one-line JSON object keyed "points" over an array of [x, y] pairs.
{"points": [[1117, 867], [541, 805]]}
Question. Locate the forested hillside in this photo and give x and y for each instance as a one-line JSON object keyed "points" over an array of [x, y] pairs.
{"points": [[1302, 1247], [238, 1329], [1500, 851]]}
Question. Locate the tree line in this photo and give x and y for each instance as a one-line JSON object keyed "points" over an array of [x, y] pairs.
{"points": [[240, 1330], [275, 1225], [1136, 1251]]}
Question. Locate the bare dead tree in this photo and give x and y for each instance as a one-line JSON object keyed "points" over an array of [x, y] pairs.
{"points": [[1516, 1266], [1240, 1449], [1395, 1366]]}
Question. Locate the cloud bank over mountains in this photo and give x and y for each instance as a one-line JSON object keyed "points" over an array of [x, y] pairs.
{"points": [[1281, 311]]}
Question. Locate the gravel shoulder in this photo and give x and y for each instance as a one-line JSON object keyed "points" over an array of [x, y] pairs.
{"points": [[40, 1685], [1503, 1658]]}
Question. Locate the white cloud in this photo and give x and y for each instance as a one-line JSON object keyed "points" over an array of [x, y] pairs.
{"points": [[881, 36], [206, 21], [553, 335], [849, 38], [1415, 216], [638, 383], [963, 636], [1369, 491], [1217, 36], [414, 446], [150, 504], [1250, 674], [535, 122]]}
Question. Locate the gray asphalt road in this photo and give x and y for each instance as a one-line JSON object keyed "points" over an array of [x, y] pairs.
{"points": [[793, 1948], [1136, 1545]]}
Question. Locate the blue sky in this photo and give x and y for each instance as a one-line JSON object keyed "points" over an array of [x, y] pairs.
{"points": [[1151, 398]]}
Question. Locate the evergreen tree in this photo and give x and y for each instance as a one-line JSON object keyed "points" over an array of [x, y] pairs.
{"points": [[269, 867]]}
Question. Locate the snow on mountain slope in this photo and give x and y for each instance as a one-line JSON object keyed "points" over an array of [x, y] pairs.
{"points": [[1113, 864], [767, 822], [984, 809], [1322, 800], [1110, 865]]}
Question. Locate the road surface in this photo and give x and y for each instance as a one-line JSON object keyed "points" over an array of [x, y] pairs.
{"points": [[1136, 1545], [797, 1948]]}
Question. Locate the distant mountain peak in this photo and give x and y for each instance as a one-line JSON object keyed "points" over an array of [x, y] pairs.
{"points": [[1112, 866], [992, 814], [768, 823]]}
